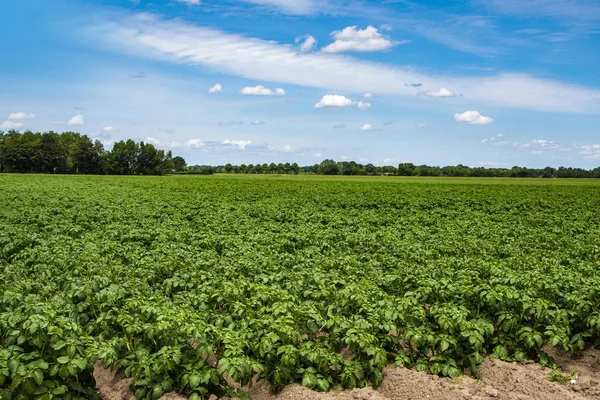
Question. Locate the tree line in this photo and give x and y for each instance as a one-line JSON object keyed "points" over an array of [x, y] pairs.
{"points": [[331, 167], [73, 153]]}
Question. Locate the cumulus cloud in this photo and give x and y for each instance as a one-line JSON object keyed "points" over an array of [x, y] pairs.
{"points": [[307, 43], [367, 127], [76, 120], [363, 106], [194, 144], [338, 101], [20, 115], [363, 40], [443, 92], [218, 88], [241, 144], [108, 129], [473, 118], [367, 95], [334, 101], [258, 122], [11, 125], [260, 90]]}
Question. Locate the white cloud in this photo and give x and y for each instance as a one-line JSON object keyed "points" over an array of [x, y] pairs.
{"points": [[536, 145], [76, 120], [318, 155], [172, 145], [286, 149], [485, 140], [293, 7], [367, 95], [260, 90], [11, 125], [367, 127], [242, 144], [153, 141], [218, 88], [190, 2], [352, 39], [149, 36], [108, 129], [591, 151], [363, 106], [334, 101], [443, 92], [258, 122], [473, 118], [194, 144], [308, 43], [20, 115]]}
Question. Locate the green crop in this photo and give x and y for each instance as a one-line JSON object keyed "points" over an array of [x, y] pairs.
{"points": [[189, 283]]}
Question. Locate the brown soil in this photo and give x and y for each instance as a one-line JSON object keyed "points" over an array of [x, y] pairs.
{"points": [[498, 379]]}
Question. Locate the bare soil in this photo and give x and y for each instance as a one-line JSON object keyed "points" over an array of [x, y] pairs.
{"points": [[497, 380]]}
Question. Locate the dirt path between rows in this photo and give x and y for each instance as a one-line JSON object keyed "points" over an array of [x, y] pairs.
{"points": [[497, 380]]}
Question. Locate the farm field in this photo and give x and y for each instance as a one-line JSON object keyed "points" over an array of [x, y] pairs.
{"points": [[192, 283]]}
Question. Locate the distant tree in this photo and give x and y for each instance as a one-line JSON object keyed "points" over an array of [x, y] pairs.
{"points": [[295, 169], [179, 164], [407, 169], [329, 167]]}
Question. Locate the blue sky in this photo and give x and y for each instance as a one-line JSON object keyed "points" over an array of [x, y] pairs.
{"points": [[477, 82]]}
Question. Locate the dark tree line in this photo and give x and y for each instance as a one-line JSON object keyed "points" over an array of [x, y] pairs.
{"points": [[73, 153], [331, 167]]}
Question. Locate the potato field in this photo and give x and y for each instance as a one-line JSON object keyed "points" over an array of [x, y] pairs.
{"points": [[198, 285]]}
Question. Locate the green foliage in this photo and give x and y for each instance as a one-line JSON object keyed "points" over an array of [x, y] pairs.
{"points": [[186, 283], [72, 153], [557, 375]]}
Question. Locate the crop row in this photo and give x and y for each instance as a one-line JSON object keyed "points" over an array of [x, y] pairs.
{"points": [[188, 283]]}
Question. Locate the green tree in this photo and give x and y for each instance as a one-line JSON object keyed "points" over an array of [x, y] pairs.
{"points": [[179, 164], [329, 167]]}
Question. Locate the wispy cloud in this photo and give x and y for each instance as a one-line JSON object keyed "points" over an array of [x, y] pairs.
{"points": [[591, 151], [190, 2], [583, 10], [293, 7], [150, 36], [537, 146], [307, 43]]}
